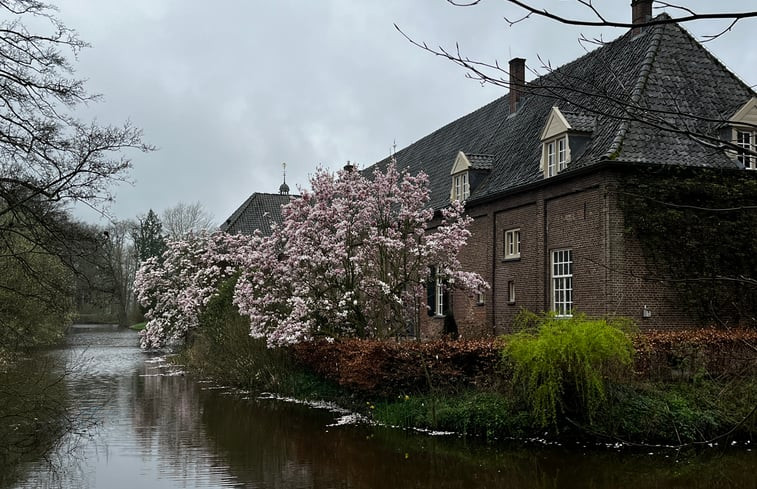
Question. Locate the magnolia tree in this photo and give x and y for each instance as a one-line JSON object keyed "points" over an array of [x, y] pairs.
{"points": [[175, 288], [351, 258]]}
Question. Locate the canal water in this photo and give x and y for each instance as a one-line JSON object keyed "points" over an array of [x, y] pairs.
{"points": [[159, 428]]}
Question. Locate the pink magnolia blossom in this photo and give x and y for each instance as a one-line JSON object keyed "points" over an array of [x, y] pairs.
{"points": [[351, 258], [176, 287]]}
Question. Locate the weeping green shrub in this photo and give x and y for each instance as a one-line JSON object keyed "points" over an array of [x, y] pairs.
{"points": [[562, 364]]}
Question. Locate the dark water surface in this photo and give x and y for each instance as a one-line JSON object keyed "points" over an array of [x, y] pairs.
{"points": [[162, 429]]}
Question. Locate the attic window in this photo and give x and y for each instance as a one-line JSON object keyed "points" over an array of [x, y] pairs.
{"points": [[743, 134], [460, 186], [747, 143], [555, 153]]}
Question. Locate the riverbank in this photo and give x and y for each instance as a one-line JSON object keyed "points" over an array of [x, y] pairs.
{"points": [[595, 380], [464, 387]]}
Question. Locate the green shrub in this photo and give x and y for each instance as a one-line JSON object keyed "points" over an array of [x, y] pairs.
{"points": [[221, 348], [562, 364]]}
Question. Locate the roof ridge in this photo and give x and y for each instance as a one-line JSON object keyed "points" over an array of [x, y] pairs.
{"points": [[714, 58], [638, 89]]}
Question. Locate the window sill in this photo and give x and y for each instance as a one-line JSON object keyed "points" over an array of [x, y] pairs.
{"points": [[511, 258]]}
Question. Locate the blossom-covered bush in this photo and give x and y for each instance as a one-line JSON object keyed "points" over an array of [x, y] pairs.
{"points": [[176, 286], [351, 259]]}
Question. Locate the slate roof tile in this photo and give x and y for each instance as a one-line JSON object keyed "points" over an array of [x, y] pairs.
{"points": [[257, 212], [630, 94]]}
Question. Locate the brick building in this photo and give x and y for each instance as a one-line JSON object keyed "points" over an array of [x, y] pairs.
{"points": [[540, 170]]}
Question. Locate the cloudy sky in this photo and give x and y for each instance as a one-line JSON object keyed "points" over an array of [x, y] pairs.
{"points": [[229, 90]]}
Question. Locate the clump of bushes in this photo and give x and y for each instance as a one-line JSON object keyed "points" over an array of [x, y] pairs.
{"points": [[562, 365], [222, 348]]}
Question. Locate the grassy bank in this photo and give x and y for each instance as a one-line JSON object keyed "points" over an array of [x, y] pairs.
{"points": [[584, 386]]}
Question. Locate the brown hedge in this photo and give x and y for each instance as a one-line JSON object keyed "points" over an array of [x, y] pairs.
{"points": [[687, 353], [391, 369]]}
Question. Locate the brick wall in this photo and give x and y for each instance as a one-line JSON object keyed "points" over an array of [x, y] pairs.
{"points": [[580, 213]]}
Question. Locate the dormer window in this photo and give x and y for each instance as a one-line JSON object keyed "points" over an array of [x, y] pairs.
{"points": [[556, 155], [747, 143], [742, 129], [564, 136], [460, 186], [467, 172]]}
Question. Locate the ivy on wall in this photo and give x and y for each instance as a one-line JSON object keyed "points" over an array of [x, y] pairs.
{"points": [[698, 232]]}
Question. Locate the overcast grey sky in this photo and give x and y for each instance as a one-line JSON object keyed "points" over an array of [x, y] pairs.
{"points": [[228, 90]]}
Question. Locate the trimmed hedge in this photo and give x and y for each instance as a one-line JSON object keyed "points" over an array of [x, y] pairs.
{"points": [[666, 355], [388, 369]]}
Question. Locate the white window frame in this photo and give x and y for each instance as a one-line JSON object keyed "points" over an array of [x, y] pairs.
{"points": [[512, 244], [480, 298], [562, 282], [460, 186], [747, 140], [439, 294], [556, 155], [511, 292], [562, 154]]}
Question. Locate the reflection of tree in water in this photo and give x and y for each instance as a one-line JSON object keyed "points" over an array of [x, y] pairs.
{"points": [[165, 407], [38, 421]]}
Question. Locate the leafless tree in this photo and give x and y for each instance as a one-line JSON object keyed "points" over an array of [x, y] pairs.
{"points": [[121, 266], [48, 157], [183, 219]]}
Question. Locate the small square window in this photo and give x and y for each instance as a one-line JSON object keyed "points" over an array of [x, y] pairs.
{"points": [[512, 244]]}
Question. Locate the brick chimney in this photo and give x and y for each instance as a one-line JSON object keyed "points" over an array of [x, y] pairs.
{"points": [[517, 82], [641, 13]]}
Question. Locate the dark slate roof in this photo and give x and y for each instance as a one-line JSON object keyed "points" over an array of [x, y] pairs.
{"points": [[480, 162], [256, 213], [581, 122], [661, 72]]}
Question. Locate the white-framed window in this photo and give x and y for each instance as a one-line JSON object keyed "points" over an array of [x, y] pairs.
{"points": [[512, 243], [437, 294], [562, 154], [480, 298], [562, 282], [460, 186], [511, 292], [556, 155], [439, 290], [747, 143]]}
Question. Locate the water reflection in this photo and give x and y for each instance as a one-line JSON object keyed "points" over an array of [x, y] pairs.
{"points": [[163, 429]]}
